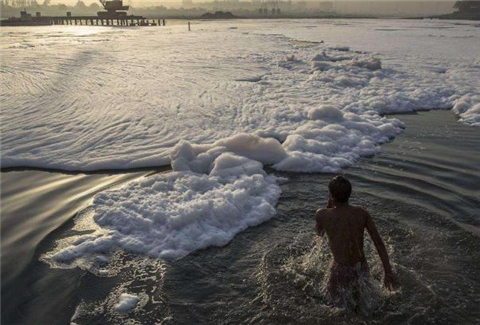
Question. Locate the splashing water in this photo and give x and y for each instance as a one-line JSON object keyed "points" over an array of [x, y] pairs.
{"points": [[295, 281]]}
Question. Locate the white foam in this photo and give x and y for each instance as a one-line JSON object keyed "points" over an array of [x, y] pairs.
{"points": [[168, 216], [371, 64], [217, 115], [323, 112], [468, 108], [78, 111], [126, 303], [200, 158]]}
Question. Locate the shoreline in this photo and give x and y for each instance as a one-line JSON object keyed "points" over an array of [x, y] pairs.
{"points": [[197, 18]]}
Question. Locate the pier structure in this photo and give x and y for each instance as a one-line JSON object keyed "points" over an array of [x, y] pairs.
{"points": [[131, 20], [115, 14], [104, 21]]}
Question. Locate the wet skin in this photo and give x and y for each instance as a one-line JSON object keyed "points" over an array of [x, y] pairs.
{"points": [[344, 225]]}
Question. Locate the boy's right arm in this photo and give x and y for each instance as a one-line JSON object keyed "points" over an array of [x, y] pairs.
{"points": [[318, 223], [318, 216]]}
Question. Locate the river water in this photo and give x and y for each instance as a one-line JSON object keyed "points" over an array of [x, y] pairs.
{"points": [[422, 191]]}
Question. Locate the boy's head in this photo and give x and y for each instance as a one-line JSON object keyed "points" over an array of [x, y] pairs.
{"points": [[340, 189]]}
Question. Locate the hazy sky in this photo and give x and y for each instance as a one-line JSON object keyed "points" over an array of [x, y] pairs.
{"points": [[423, 8], [162, 1]]}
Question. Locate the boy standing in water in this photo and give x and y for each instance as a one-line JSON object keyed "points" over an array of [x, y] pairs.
{"points": [[344, 225]]}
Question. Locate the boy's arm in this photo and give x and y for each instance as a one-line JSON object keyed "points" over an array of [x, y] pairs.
{"points": [[390, 280], [318, 223]]}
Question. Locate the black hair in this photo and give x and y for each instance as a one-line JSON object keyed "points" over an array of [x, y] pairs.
{"points": [[340, 188]]}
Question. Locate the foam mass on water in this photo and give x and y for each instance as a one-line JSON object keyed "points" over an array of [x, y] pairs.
{"points": [[217, 116], [171, 215], [72, 102], [126, 303]]}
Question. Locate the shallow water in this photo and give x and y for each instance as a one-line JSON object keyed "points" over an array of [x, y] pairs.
{"points": [[34, 204], [422, 190]]}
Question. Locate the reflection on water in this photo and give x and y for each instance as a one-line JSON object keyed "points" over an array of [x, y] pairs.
{"points": [[33, 205], [422, 190]]}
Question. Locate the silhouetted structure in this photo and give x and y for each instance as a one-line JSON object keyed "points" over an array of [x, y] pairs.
{"points": [[464, 10], [24, 16], [115, 15], [274, 10], [218, 15], [114, 9], [467, 7]]}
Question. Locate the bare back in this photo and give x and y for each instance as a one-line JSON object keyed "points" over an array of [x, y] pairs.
{"points": [[344, 226]]}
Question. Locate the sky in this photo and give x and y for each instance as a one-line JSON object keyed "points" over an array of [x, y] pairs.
{"points": [[343, 6]]}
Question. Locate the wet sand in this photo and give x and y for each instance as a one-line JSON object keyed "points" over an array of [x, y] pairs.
{"points": [[422, 190]]}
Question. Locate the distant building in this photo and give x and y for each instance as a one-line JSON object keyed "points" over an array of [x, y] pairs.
{"points": [[24, 16], [467, 7], [326, 6], [114, 9], [187, 2]]}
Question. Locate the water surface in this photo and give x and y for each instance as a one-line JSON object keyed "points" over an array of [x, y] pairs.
{"points": [[422, 190]]}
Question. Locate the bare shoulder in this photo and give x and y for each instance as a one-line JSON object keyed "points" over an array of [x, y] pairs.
{"points": [[321, 213], [361, 211]]}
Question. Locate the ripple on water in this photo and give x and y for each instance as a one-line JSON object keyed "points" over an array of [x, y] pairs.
{"points": [[421, 190], [294, 279]]}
